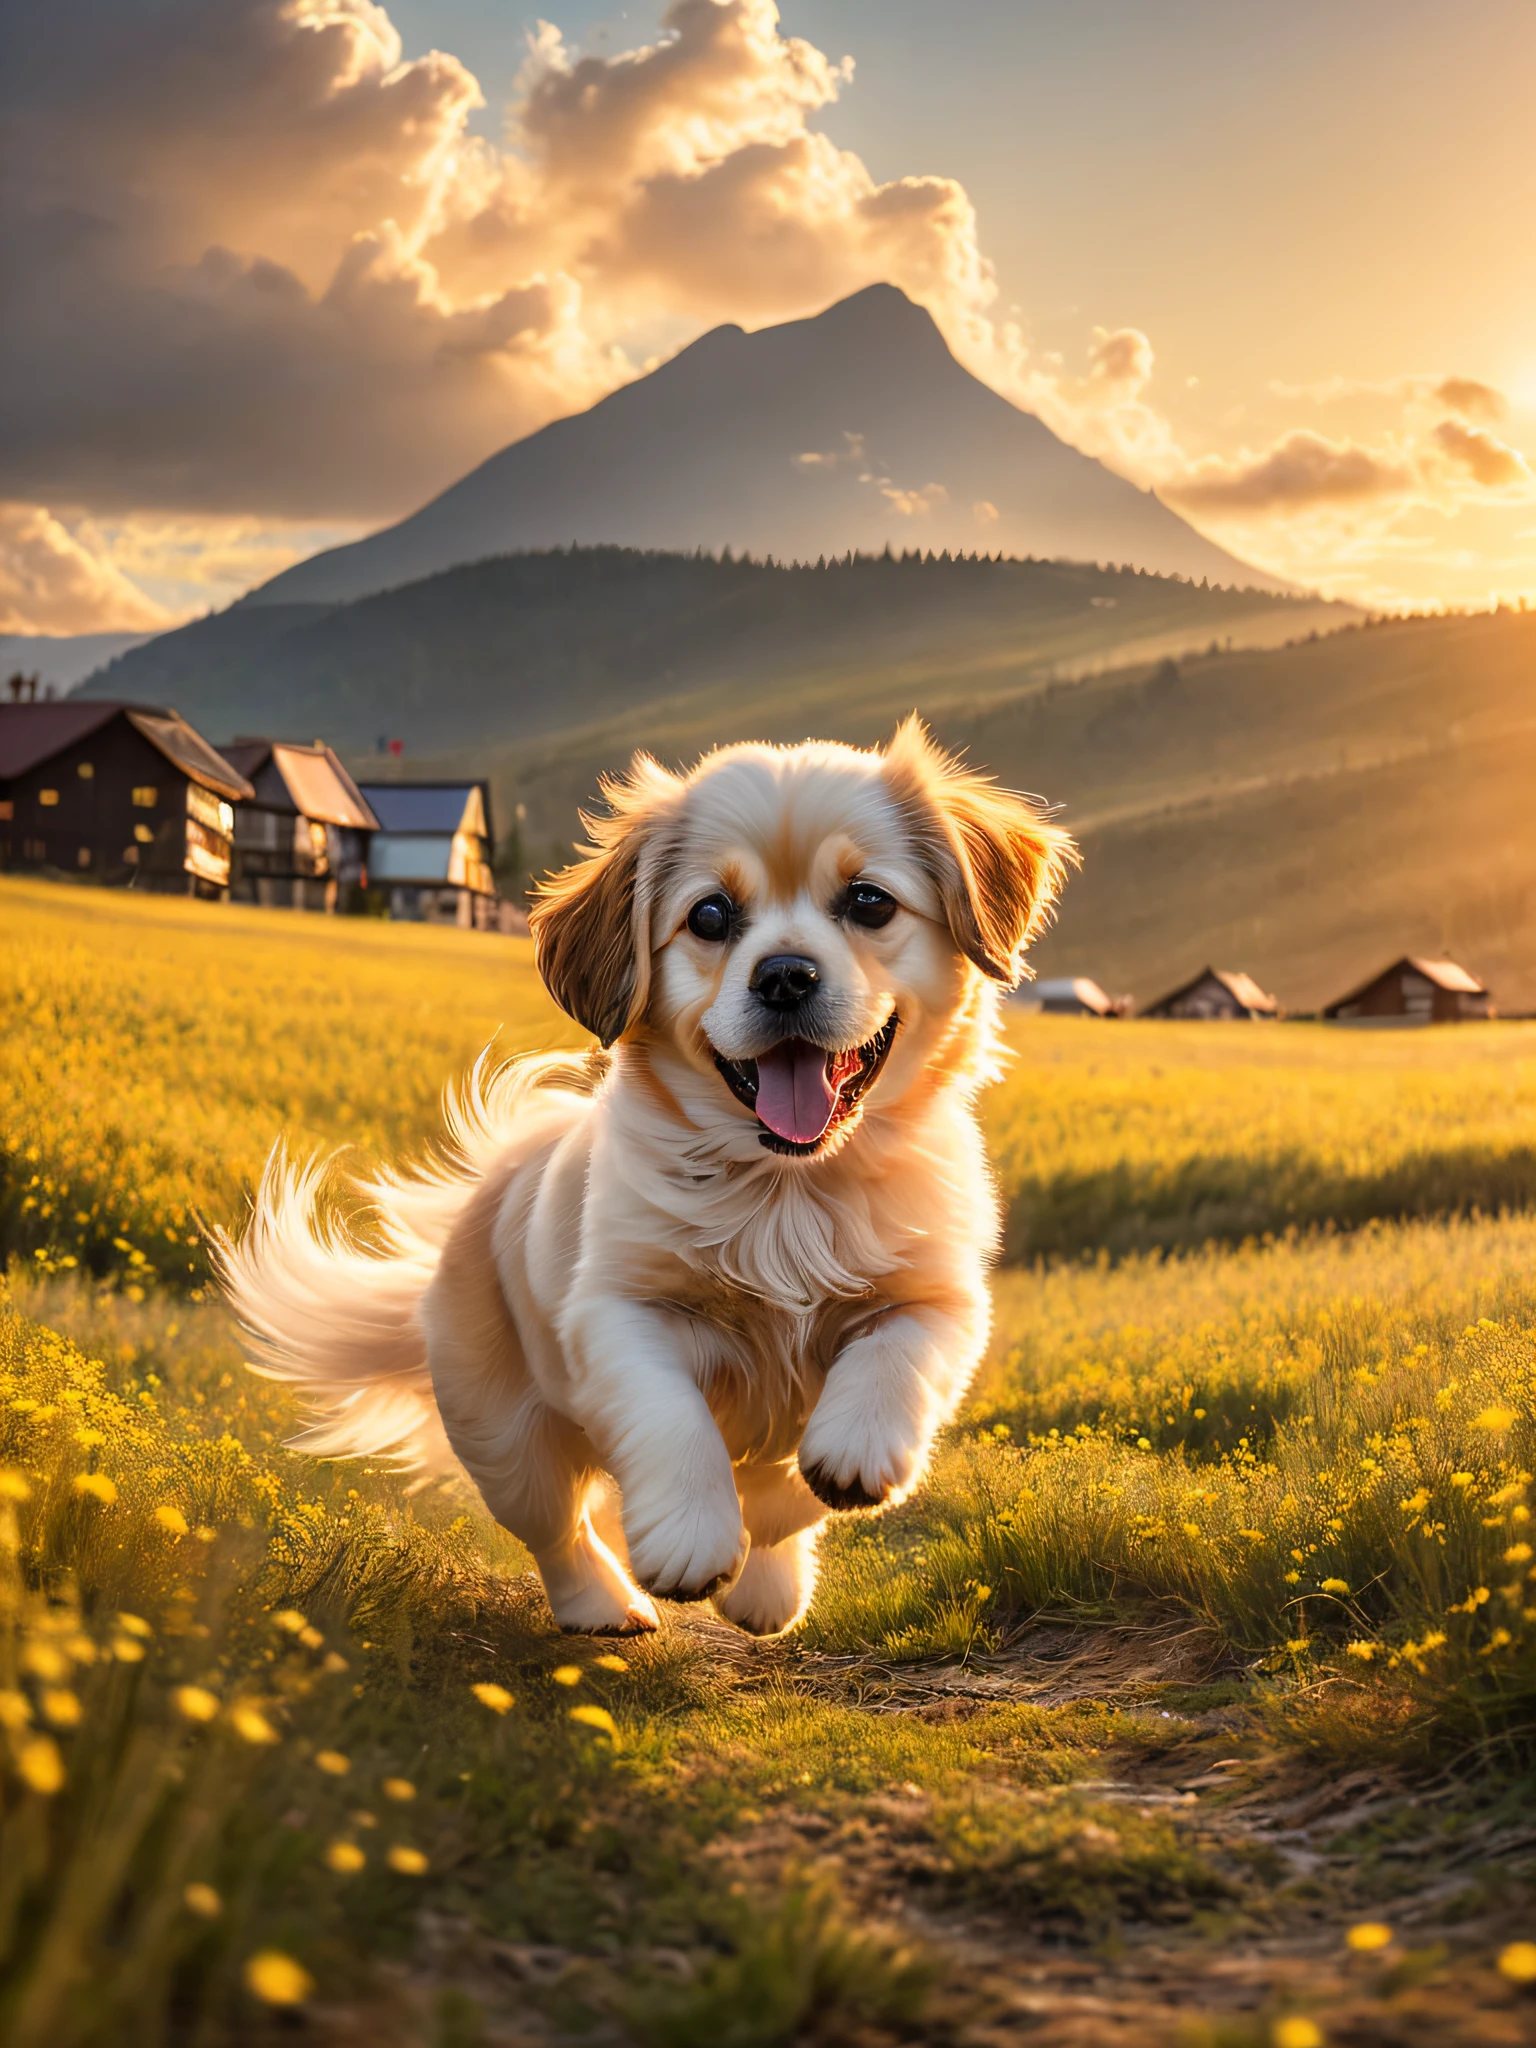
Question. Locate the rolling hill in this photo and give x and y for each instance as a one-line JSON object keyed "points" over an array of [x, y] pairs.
{"points": [[501, 652], [856, 429]]}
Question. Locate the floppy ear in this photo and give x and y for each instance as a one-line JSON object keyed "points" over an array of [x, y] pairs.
{"points": [[999, 866], [591, 923]]}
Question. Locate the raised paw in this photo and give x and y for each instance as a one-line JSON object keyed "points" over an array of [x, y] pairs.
{"points": [[840, 1495]]}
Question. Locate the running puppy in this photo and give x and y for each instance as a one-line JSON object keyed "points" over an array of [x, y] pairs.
{"points": [[669, 1303]]}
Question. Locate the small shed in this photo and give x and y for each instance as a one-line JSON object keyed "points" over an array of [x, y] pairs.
{"points": [[432, 853], [1214, 994], [302, 841], [1075, 995], [1414, 991], [124, 793]]}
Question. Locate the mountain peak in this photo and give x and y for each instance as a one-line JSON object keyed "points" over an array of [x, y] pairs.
{"points": [[854, 428]]}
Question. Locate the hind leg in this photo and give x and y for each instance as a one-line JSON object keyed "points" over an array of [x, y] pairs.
{"points": [[783, 1517], [533, 1467]]}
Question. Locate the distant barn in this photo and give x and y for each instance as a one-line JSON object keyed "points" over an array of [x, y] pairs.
{"points": [[1075, 995], [1414, 991], [432, 853], [123, 793], [302, 842], [1214, 994]]}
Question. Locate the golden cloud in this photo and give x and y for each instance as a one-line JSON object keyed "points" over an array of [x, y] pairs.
{"points": [[1486, 460], [51, 583], [1474, 401], [1299, 473]]}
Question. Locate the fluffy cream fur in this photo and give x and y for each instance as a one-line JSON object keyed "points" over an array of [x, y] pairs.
{"points": [[660, 1349]]}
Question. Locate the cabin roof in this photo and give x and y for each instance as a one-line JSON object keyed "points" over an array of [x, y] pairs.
{"points": [[1242, 988], [1444, 974], [428, 806], [1066, 988], [312, 778], [33, 733]]}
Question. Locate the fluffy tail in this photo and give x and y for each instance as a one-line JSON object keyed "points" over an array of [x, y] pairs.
{"points": [[339, 1318]]}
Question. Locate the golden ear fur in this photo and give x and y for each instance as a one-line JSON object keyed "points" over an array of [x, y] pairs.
{"points": [[591, 922], [998, 864]]}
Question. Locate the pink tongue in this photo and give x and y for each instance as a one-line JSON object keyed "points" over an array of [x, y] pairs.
{"points": [[794, 1097]]}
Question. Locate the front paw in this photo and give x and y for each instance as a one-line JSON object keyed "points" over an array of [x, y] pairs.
{"points": [[849, 1462], [843, 1496], [689, 1550]]}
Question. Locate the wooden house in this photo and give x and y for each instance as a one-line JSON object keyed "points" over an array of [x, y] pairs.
{"points": [[123, 793], [1076, 995], [301, 843], [1414, 991], [432, 852], [1215, 993]]}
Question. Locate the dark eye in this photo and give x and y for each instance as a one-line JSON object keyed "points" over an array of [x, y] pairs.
{"points": [[869, 906], [711, 919]]}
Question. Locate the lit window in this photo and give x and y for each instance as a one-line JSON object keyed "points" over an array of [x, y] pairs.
{"points": [[84, 857], [7, 811], [143, 834], [47, 797], [145, 797], [85, 770]]}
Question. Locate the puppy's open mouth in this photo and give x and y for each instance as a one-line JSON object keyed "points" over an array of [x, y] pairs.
{"points": [[800, 1092]]}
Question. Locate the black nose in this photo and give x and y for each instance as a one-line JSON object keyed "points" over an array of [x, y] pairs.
{"points": [[784, 980]]}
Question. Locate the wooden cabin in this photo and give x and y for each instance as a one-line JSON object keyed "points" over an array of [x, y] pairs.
{"points": [[1414, 991], [1215, 994], [432, 852], [122, 793], [301, 843], [1076, 995]]}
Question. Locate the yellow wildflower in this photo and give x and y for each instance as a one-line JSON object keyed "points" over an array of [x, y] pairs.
{"points": [[13, 1484], [277, 1979], [409, 1862], [290, 1621], [61, 1706], [1461, 1479], [1339, 1586], [345, 1857], [1296, 2032], [610, 1663], [1518, 1962], [202, 1900], [398, 1788], [134, 1625], [15, 1710], [40, 1765], [596, 1717], [195, 1702], [1367, 1935], [1518, 1553], [566, 1674], [97, 1485], [172, 1520], [1364, 1651], [252, 1725], [496, 1697], [333, 1762], [43, 1660], [1494, 1418]]}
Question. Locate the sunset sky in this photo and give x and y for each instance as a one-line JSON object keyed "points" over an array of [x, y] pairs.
{"points": [[278, 270]]}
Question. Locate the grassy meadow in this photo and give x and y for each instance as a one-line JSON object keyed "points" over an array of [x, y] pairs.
{"points": [[1193, 1701]]}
